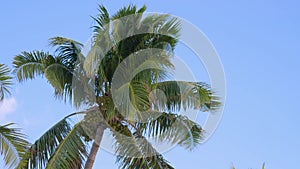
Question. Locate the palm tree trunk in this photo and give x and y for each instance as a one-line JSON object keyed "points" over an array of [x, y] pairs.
{"points": [[95, 147]]}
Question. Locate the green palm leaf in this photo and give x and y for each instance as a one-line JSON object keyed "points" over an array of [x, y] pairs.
{"points": [[71, 152], [193, 95], [57, 69], [5, 81], [114, 47], [28, 65], [102, 19], [172, 128], [39, 153], [67, 51], [12, 145], [135, 151]]}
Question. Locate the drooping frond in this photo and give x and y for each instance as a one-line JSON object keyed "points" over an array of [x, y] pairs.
{"points": [[71, 152], [152, 162], [39, 153], [57, 69], [135, 151], [12, 145], [5, 81], [60, 77], [67, 50], [61, 42], [28, 65], [173, 128], [195, 95]]}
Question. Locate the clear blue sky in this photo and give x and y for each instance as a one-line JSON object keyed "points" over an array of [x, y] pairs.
{"points": [[257, 41]]}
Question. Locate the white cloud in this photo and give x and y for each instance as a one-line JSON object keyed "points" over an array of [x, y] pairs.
{"points": [[7, 107]]}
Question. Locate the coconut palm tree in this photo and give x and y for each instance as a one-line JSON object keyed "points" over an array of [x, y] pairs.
{"points": [[127, 105], [12, 142]]}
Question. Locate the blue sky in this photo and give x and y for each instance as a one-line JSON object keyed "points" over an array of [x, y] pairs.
{"points": [[257, 41]]}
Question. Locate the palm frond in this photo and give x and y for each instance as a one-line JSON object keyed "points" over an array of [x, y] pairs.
{"points": [[135, 151], [28, 65], [67, 51], [5, 81], [71, 152], [60, 77], [61, 42], [127, 38], [12, 145], [132, 80], [57, 69], [195, 95], [129, 10], [102, 19], [174, 129], [164, 30], [39, 153]]}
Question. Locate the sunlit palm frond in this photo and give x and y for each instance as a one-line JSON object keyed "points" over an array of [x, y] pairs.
{"points": [[12, 145], [71, 152], [5, 81]]}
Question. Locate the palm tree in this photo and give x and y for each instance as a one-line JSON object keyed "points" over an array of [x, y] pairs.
{"points": [[12, 142], [124, 109]]}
